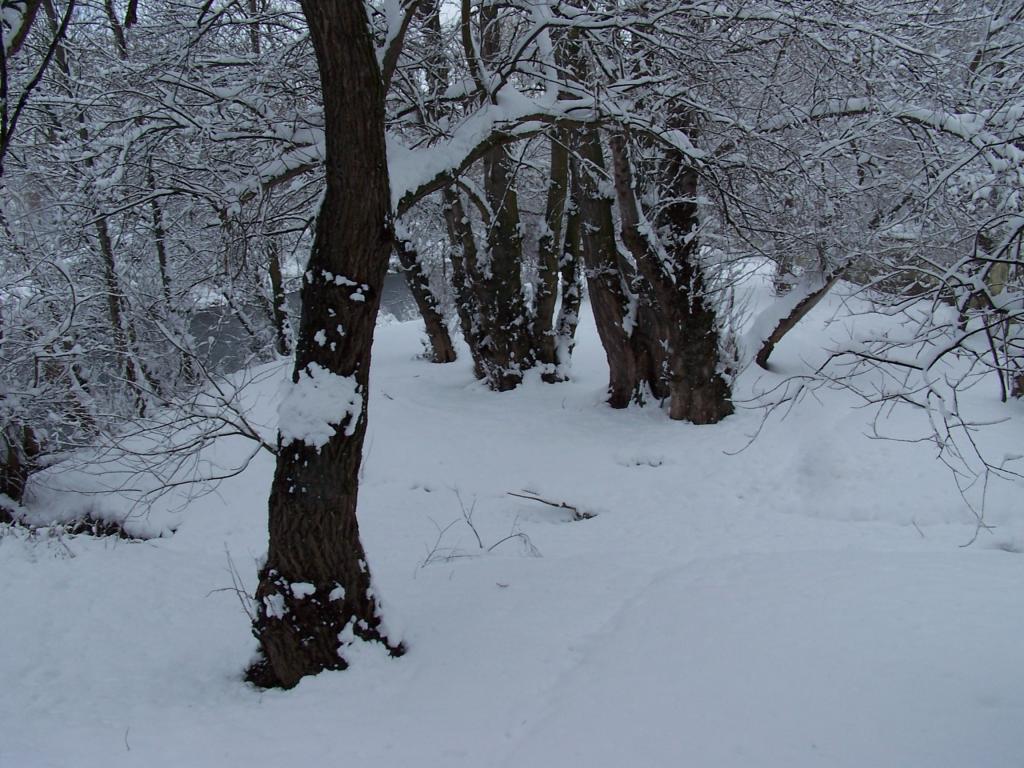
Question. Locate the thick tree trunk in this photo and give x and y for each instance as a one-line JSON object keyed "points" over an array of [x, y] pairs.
{"points": [[315, 594], [686, 320], [506, 347], [615, 309], [507, 351], [488, 288], [623, 318], [699, 392], [488, 285]]}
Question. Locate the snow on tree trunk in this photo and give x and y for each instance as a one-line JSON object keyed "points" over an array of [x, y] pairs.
{"points": [[549, 263], [506, 348], [608, 297], [666, 254], [782, 316]]}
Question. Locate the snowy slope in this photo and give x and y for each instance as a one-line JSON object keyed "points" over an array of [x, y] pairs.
{"points": [[803, 602]]}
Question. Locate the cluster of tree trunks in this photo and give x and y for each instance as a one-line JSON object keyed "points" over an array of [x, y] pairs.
{"points": [[646, 282]]}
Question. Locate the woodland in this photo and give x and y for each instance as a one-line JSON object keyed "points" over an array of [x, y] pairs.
{"points": [[529, 168]]}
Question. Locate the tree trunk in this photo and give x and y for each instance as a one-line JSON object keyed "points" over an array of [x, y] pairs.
{"points": [[507, 349], [687, 323], [549, 249], [315, 594], [572, 295], [613, 306], [160, 241], [19, 449], [807, 298], [442, 350], [464, 261], [279, 300], [624, 320], [699, 392], [488, 286]]}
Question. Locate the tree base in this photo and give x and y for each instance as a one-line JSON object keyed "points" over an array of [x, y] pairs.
{"points": [[304, 629], [262, 674], [708, 403]]}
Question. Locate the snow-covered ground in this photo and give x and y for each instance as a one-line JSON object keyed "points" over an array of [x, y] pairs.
{"points": [[804, 602]]}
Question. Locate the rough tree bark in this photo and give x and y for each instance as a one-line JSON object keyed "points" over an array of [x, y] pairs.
{"points": [[315, 593], [614, 308], [507, 347], [504, 338], [687, 323], [626, 322]]}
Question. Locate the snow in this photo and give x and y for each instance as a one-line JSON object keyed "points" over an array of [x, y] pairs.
{"points": [[301, 589], [316, 404], [804, 602], [276, 608]]}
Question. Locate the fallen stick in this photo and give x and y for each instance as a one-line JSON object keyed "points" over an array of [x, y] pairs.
{"points": [[576, 514]]}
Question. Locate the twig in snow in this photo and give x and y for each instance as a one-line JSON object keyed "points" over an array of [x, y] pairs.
{"points": [[577, 514]]}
